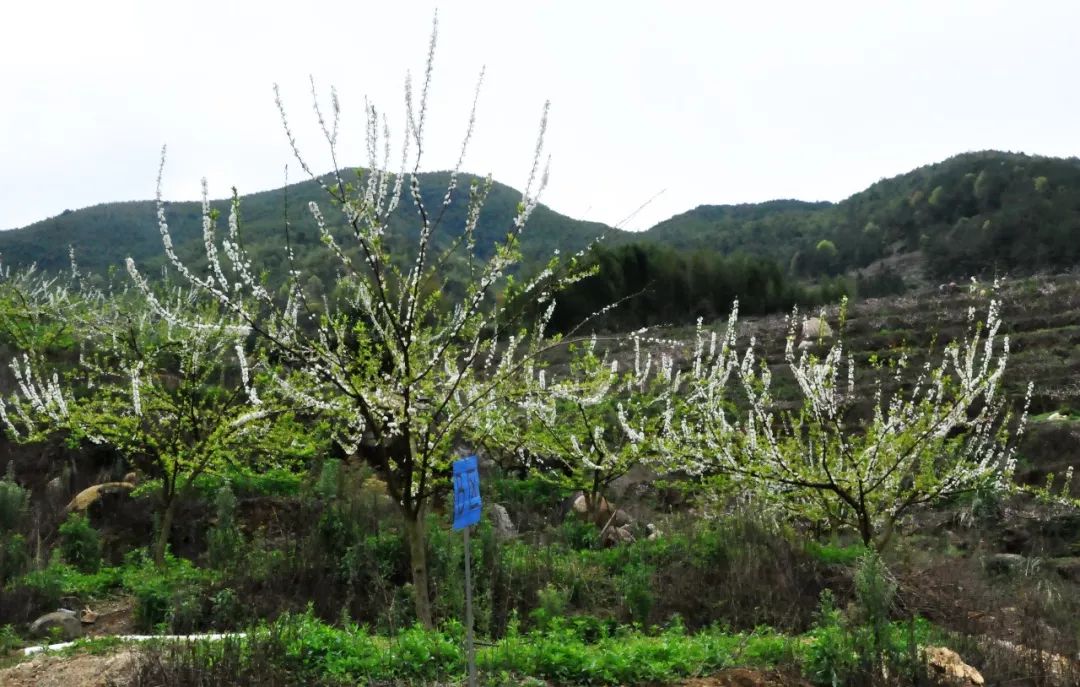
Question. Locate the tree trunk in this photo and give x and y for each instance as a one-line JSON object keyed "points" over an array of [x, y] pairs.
{"points": [[416, 533], [866, 529], [164, 530], [884, 538], [594, 499]]}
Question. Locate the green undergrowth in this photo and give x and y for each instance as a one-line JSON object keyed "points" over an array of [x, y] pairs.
{"points": [[244, 483], [162, 595], [567, 651]]}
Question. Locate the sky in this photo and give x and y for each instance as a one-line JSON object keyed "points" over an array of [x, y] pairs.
{"points": [[668, 104]]}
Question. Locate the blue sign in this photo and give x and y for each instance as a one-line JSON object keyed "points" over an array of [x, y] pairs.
{"points": [[466, 493]]}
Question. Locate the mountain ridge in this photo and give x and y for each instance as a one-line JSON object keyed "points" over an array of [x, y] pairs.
{"points": [[976, 212]]}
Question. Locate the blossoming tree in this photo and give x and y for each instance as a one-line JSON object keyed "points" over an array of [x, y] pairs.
{"points": [[946, 431], [408, 355], [595, 420], [155, 382], [32, 310]]}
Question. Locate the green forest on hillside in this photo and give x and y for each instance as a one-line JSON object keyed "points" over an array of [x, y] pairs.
{"points": [[976, 214], [973, 214]]}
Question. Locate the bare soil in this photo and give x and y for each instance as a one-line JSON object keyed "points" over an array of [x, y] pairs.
{"points": [[80, 670]]}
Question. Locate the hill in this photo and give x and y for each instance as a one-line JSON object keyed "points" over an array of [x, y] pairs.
{"points": [[104, 235], [983, 213], [974, 213]]}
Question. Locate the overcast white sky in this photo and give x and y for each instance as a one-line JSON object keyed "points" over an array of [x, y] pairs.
{"points": [[716, 102]]}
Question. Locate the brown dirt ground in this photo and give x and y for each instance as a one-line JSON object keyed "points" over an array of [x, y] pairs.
{"points": [[81, 670], [115, 617], [744, 677]]}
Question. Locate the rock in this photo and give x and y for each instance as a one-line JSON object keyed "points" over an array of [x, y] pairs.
{"points": [[87, 616], [654, 533], [951, 287], [56, 490], [1056, 416], [89, 496], [806, 344], [67, 621], [948, 669], [504, 526], [632, 482], [615, 536], [621, 519], [579, 505], [1059, 670], [1001, 563], [816, 328]]}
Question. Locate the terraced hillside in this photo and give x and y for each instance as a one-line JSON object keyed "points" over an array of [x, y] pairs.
{"points": [[1041, 318]]}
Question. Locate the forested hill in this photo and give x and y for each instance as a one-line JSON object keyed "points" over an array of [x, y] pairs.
{"points": [[975, 213], [104, 235], [980, 213]]}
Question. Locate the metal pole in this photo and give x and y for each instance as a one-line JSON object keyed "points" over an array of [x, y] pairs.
{"points": [[470, 648]]}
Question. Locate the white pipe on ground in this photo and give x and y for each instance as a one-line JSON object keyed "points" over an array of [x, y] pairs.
{"points": [[31, 650]]}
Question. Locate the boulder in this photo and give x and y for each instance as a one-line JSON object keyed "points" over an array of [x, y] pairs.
{"points": [[615, 536], [504, 526], [621, 518], [949, 670], [579, 505], [816, 328], [91, 495], [636, 480], [66, 621], [654, 533]]}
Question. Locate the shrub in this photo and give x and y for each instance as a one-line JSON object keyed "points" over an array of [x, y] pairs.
{"points": [[226, 610], [9, 640], [169, 596], [14, 557], [224, 542], [50, 583], [328, 485], [13, 502], [635, 585], [864, 647], [80, 544]]}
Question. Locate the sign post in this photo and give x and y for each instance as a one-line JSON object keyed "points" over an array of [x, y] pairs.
{"points": [[466, 514]]}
